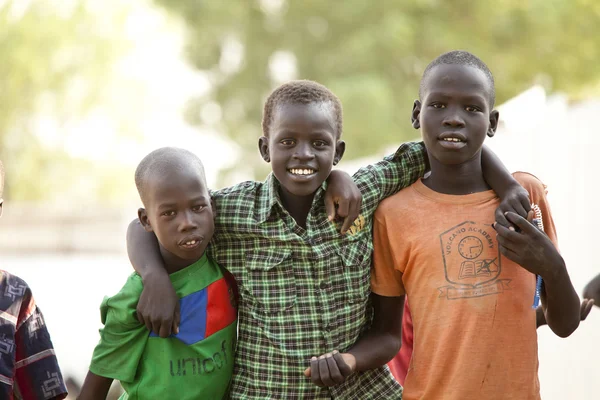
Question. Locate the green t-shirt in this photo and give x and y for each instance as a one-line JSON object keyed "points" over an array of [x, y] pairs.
{"points": [[197, 363]]}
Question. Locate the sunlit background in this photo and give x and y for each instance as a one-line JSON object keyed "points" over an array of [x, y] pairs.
{"points": [[89, 87]]}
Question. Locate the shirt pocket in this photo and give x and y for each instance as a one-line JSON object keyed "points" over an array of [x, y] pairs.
{"points": [[271, 281], [356, 260]]}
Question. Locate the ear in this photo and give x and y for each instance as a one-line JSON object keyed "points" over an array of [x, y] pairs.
{"points": [[340, 148], [143, 217], [263, 147], [494, 118], [416, 113]]}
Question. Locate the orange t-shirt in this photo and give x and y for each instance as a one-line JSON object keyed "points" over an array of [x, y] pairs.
{"points": [[474, 326]]}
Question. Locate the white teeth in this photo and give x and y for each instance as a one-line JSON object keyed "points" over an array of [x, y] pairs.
{"points": [[451, 139], [298, 171], [191, 242]]}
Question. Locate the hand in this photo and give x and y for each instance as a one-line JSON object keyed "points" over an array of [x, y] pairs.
{"points": [[517, 201], [592, 290], [158, 307], [343, 193], [529, 247], [331, 369]]}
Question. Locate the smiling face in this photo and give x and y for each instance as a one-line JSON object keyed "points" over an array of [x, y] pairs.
{"points": [[178, 210], [454, 113], [302, 146]]}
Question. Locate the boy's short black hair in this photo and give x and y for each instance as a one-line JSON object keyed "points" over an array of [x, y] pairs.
{"points": [[1, 178], [165, 159], [460, 57], [301, 92]]}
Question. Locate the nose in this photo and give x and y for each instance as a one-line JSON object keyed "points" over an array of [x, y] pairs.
{"points": [[453, 119], [304, 151], [187, 222]]}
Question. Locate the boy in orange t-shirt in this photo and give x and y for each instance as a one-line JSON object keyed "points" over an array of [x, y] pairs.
{"points": [[471, 291]]}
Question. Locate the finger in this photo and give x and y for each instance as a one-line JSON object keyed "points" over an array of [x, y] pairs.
{"points": [[508, 234], [500, 218], [314, 371], [525, 202], [334, 371], [518, 208], [324, 371], [139, 315], [510, 254], [348, 221], [307, 372], [353, 213], [530, 215], [520, 222], [176, 319], [164, 328], [586, 307], [330, 207], [344, 368], [342, 210]]}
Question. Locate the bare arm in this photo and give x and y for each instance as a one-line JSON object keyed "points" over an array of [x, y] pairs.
{"points": [[382, 342], [533, 250], [95, 387], [378, 346], [513, 197], [158, 307]]}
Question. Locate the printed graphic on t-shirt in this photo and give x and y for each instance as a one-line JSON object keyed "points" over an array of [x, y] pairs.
{"points": [[472, 262]]}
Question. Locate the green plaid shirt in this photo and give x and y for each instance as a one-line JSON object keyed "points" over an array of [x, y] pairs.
{"points": [[304, 292]]}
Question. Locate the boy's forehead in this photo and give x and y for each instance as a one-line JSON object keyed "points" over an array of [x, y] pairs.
{"points": [[316, 113], [456, 76]]}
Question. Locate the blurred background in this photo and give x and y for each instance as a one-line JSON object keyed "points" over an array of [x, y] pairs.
{"points": [[89, 87]]}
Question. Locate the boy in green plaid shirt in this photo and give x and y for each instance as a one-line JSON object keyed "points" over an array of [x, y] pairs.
{"points": [[304, 287]]}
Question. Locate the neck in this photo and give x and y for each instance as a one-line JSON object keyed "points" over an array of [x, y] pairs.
{"points": [[172, 262], [297, 206], [459, 179]]}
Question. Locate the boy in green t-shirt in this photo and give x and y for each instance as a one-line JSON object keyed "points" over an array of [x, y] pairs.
{"points": [[197, 361]]}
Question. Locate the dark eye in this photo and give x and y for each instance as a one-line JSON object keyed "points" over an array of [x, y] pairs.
{"points": [[438, 105], [319, 143], [168, 213], [287, 142], [472, 109], [197, 208]]}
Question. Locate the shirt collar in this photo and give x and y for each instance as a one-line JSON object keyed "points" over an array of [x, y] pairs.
{"points": [[269, 198]]}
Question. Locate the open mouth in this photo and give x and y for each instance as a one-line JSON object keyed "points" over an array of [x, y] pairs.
{"points": [[191, 243], [452, 139], [302, 171]]}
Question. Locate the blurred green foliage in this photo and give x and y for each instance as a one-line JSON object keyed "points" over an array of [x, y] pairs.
{"points": [[372, 54], [55, 59]]}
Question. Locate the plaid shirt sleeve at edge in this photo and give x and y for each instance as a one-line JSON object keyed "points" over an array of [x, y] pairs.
{"points": [[392, 174], [37, 374]]}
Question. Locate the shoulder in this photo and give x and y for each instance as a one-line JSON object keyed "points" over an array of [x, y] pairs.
{"points": [[129, 294], [531, 183], [242, 189], [15, 288], [398, 205]]}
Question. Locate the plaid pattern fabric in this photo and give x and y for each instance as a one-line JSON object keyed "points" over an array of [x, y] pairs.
{"points": [[28, 366], [304, 292]]}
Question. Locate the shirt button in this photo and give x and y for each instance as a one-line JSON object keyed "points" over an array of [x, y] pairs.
{"points": [[323, 285]]}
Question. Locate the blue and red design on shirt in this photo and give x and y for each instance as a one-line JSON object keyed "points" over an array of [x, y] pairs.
{"points": [[28, 365], [206, 312]]}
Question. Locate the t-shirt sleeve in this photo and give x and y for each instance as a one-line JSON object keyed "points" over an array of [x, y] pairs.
{"points": [[37, 374], [387, 177], [386, 273], [538, 195], [123, 338]]}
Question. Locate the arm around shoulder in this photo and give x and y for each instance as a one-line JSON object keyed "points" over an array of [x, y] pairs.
{"points": [[158, 306]]}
